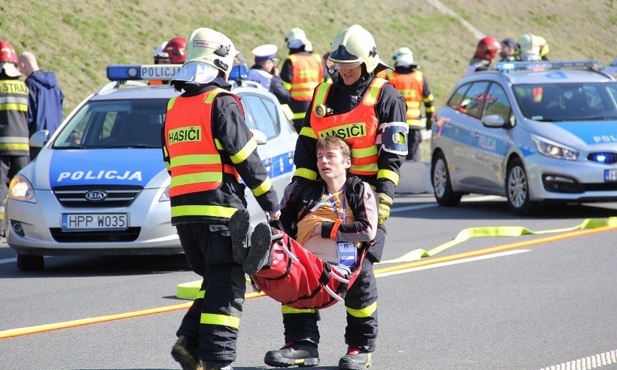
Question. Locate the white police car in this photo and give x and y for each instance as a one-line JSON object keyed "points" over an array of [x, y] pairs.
{"points": [[534, 132], [100, 186]]}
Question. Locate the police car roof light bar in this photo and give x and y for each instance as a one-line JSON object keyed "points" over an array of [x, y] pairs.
{"points": [[239, 72], [545, 64], [162, 72]]}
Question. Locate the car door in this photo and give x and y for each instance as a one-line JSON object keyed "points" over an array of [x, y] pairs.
{"points": [[263, 113], [491, 144]]}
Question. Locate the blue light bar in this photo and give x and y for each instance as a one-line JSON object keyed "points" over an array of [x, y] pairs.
{"points": [[239, 72], [162, 72], [545, 64]]}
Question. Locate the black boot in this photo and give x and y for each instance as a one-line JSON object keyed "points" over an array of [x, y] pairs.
{"points": [[239, 226], [185, 354], [355, 359], [261, 240], [302, 354]]}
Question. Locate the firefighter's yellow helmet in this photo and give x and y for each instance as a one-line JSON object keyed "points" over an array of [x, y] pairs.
{"points": [[207, 52], [356, 45], [403, 57]]}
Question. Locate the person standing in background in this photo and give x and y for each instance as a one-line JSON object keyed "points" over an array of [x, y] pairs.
{"points": [[45, 98], [265, 73], [412, 84], [302, 71], [14, 135]]}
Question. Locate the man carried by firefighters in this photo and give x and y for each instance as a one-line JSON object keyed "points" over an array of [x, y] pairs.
{"points": [[330, 219], [207, 148], [369, 114], [486, 51], [14, 134], [265, 73], [302, 71], [413, 85]]}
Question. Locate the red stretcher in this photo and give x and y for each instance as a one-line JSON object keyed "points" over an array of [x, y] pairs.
{"points": [[300, 279]]}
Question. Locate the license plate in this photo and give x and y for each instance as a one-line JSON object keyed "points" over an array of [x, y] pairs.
{"points": [[610, 175], [95, 221]]}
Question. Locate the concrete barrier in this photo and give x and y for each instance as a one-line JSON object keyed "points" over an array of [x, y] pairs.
{"points": [[415, 178]]}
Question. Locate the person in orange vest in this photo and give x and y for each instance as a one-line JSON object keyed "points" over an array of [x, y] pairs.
{"points": [[208, 149], [413, 85], [302, 71], [369, 114], [160, 57]]}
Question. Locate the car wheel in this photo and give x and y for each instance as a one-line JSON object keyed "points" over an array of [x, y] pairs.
{"points": [[30, 263], [517, 189], [441, 182]]}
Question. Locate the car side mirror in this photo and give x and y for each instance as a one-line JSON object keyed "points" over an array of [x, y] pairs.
{"points": [[259, 136], [493, 120], [39, 138]]}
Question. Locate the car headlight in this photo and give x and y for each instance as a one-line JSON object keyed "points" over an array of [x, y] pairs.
{"points": [[165, 196], [21, 189], [554, 150]]}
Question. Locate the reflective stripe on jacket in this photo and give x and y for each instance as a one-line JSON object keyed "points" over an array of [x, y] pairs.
{"points": [[14, 134], [357, 127], [307, 74]]}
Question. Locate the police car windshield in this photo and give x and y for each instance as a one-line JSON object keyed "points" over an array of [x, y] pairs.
{"points": [[568, 102], [114, 124]]}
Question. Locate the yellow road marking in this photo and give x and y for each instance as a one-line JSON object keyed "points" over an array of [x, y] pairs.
{"points": [[380, 271]]}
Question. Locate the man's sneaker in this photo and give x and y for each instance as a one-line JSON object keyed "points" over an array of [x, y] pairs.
{"points": [[239, 226], [185, 354], [261, 239], [217, 366], [302, 354], [355, 359]]}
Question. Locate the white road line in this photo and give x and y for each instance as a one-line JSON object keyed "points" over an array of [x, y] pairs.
{"points": [[450, 263], [431, 205], [590, 362], [8, 260]]}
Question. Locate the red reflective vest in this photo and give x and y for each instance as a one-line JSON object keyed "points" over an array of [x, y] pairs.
{"points": [[195, 161], [357, 127], [410, 85], [307, 74]]}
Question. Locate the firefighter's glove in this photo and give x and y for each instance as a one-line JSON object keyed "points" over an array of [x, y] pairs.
{"points": [[429, 123], [385, 202]]}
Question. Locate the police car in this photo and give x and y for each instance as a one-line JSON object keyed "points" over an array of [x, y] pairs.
{"points": [[533, 132], [100, 186]]}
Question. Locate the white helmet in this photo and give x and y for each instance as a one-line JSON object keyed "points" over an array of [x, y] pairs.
{"points": [[159, 54], [207, 52], [356, 45], [296, 38], [403, 57]]}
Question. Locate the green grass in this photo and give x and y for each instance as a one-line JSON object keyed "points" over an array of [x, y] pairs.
{"points": [[78, 39]]}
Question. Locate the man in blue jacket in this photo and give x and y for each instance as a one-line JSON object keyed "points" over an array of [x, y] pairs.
{"points": [[45, 98]]}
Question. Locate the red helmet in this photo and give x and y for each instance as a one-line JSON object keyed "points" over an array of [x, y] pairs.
{"points": [[7, 53], [176, 48], [487, 48]]}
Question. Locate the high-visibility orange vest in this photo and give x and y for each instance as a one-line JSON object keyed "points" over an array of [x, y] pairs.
{"points": [[357, 127], [410, 85], [195, 161], [307, 74]]}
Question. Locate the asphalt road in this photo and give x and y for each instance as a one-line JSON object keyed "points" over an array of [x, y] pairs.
{"points": [[546, 298]]}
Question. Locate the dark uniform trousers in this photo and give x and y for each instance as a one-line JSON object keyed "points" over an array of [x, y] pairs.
{"points": [[361, 305], [208, 250]]}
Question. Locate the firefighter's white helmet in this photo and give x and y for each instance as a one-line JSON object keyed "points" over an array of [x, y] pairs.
{"points": [[296, 38], [403, 57], [354, 46], [207, 52], [159, 55]]}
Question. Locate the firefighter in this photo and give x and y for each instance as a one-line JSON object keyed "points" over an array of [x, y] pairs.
{"points": [[301, 72], [207, 148], [14, 134], [176, 50], [412, 84], [160, 57], [369, 114], [486, 51], [532, 47]]}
